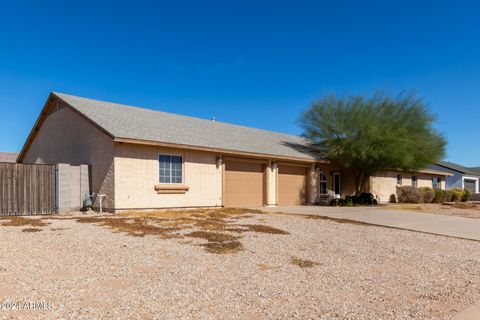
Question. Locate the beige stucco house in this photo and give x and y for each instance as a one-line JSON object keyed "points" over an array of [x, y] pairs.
{"points": [[147, 159]]}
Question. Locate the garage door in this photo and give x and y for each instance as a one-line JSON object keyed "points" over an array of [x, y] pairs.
{"points": [[243, 184], [291, 185], [470, 185]]}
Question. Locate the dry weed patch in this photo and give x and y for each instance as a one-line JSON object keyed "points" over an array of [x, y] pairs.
{"points": [[316, 217], [267, 267], [302, 263], [223, 247], [464, 205], [31, 230], [136, 227], [58, 229], [212, 225], [212, 236], [263, 229], [15, 221]]}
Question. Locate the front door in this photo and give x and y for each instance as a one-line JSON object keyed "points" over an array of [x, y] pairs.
{"points": [[336, 183]]}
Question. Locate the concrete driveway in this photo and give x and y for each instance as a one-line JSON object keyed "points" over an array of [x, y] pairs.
{"points": [[459, 227]]}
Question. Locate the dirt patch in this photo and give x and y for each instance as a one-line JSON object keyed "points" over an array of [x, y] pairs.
{"points": [[303, 263]]}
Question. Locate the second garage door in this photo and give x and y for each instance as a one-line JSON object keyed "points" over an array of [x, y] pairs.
{"points": [[470, 185], [243, 184], [291, 185]]}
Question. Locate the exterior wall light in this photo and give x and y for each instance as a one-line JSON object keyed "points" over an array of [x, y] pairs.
{"points": [[219, 161], [273, 165]]}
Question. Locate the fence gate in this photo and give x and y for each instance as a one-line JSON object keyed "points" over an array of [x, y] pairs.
{"points": [[27, 189]]}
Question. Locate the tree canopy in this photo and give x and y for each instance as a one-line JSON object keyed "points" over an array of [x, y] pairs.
{"points": [[367, 135]]}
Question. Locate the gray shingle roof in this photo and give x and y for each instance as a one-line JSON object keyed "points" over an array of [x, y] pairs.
{"points": [[476, 170], [458, 168], [123, 121]]}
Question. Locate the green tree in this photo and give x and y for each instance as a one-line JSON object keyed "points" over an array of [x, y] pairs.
{"points": [[366, 135]]}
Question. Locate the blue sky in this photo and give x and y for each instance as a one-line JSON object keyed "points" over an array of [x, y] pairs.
{"points": [[255, 63]]}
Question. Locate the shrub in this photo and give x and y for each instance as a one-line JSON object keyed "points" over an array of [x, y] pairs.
{"points": [[439, 196], [466, 195], [457, 195], [409, 194], [349, 202], [448, 196], [364, 199], [338, 202], [427, 194]]}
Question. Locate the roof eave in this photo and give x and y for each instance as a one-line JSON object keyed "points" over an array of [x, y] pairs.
{"points": [[443, 173], [218, 150]]}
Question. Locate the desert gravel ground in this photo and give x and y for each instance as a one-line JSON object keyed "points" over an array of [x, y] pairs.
{"points": [[461, 209], [314, 269]]}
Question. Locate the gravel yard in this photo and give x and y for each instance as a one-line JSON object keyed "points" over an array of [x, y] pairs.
{"points": [[460, 209], [231, 264]]}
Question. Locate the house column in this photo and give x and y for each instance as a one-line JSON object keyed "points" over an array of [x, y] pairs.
{"points": [[271, 182], [312, 184]]}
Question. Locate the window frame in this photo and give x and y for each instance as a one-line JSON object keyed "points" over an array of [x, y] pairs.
{"points": [[438, 182], [414, 181], [182, 166], [321, 181], [399, 180]]}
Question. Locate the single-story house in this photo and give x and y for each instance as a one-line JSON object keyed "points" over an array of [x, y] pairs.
{"points": [[146, 159], [8, 157], [384, 185], [461, 177]]}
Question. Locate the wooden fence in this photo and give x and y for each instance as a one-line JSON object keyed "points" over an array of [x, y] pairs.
{"points": [[27, 189]]}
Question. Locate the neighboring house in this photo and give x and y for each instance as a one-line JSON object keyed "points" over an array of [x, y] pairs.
{"points": [[10, 157], [146, 159], [462, 177], [384, 185]]}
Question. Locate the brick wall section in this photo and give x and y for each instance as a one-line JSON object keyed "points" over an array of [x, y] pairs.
{"points": [[137, 173], [66, 137]]}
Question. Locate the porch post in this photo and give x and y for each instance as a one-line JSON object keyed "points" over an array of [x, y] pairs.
{"points": [[312, 184], [271, 177]]}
